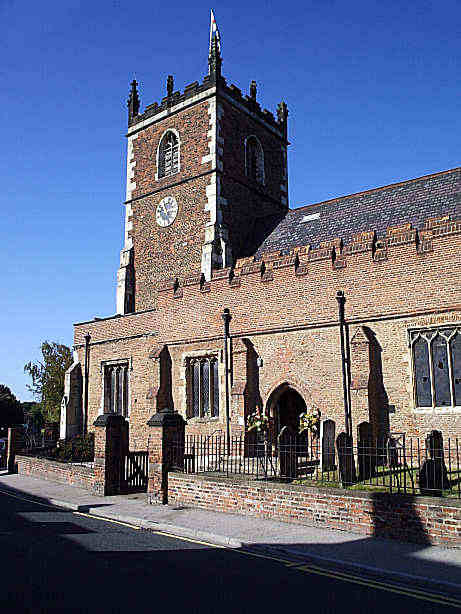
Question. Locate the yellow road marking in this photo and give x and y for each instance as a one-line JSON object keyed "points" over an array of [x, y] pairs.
{"points": [[410, 592], [125, 524], [8, 494], [312, 569], [188, 539]]}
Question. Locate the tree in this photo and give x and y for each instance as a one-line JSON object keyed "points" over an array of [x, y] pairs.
{"points": [[48, 378], [10, 409]]}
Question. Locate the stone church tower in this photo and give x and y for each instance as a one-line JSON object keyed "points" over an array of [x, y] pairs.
{"points": [[206, 183]]}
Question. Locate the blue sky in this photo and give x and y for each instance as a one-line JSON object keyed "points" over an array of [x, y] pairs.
{"points": [[372, 90]]}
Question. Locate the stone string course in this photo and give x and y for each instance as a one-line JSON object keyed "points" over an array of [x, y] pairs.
{"points": [[421, 519]]}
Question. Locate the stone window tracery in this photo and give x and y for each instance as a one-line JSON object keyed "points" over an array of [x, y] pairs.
{"points": [[203, 387], [168, 155], [116, 389], [254, 159], [436, 355]]}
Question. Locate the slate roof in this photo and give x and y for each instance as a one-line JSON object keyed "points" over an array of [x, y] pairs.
{"points": [[415, 201]]}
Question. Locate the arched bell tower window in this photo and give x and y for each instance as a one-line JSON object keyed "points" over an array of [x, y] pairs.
{"points": [[254, 159], [168, 154]]}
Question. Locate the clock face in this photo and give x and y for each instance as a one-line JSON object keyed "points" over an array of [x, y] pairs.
{"points": [[166, 212]]}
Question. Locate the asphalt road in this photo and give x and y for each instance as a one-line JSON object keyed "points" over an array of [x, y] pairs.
{"points": [[54, 560]]}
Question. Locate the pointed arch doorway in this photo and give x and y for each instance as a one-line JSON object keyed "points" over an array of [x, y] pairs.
{"points": [[284, 406]]}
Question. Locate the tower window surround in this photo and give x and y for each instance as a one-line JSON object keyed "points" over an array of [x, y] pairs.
{"points": [[168, 154], [254, 159]]}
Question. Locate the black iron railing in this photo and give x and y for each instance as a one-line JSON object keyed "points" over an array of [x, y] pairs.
{"points": [[77, 451], [393, 464]]}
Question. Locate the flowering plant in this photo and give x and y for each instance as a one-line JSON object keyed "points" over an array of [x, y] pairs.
{"points": [[258, 421], [310, 421]]}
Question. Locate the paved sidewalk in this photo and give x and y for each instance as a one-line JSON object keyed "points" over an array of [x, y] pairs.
{"points": [[399, 561]]}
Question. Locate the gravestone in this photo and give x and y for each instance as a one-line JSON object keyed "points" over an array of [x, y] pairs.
{"points": [[328, 429], [287, 453], [433, 475], [366, 454], [346, 460]]}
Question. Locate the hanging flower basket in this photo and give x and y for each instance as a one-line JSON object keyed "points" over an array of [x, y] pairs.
{"points": [[310, 421], [257, 421]]}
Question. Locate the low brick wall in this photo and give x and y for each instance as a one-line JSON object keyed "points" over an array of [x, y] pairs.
{"points": [[62, 473], [418, 519]]}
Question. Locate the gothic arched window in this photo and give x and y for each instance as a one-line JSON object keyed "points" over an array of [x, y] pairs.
{"points": [[204, 387], [437, 366], [168, 155], [254, 159]]}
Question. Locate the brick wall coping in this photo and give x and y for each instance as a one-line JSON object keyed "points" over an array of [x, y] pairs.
{"points": [[113, 317], [439, 502]]}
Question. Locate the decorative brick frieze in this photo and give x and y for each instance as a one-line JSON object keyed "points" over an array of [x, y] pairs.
{"points": [[322, 253], [284, 262], [254, 267]]}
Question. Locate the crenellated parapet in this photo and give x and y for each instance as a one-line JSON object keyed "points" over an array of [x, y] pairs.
{"points": [[303, 259], [194, 90]]}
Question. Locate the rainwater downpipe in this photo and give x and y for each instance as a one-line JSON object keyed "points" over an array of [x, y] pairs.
{"points": [[87, 377], [226, 316], [344, 362]]}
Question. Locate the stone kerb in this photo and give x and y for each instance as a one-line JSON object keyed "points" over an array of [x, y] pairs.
{"points": [[110, 448], [165, 448]]}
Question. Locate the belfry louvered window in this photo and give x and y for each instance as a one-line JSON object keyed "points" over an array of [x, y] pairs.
{"points": [[204, 387], [437, 367], [168, 156], [116, 389], [254, 159]]}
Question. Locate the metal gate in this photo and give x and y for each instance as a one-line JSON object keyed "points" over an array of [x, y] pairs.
{"points": [[135, 472]]}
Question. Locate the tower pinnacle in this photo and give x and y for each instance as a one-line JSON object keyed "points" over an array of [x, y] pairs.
{"points": [[133, 101]]}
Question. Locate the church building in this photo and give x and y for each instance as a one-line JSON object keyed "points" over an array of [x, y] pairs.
{"points": [[229, 301]]}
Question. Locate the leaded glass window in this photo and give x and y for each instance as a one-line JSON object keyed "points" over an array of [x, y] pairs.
{"points": [[422, 373], [204, 387], [168, 155], [116, 389], [437, 367], [455, 352]]}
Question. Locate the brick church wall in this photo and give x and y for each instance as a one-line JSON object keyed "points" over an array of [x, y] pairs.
{"points": [[289, 316]]}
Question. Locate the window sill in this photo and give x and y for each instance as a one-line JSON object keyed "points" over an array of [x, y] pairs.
{"points": [[203, 419], [448, 409]]}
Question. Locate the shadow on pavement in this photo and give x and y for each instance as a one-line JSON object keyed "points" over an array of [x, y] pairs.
{"points": [[55, 561]]}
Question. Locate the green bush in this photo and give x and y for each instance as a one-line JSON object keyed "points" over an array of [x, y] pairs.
{"points": [[78, 449]]}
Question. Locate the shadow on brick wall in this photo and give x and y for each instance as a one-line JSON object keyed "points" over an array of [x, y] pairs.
{"points": [[397, 518]]}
